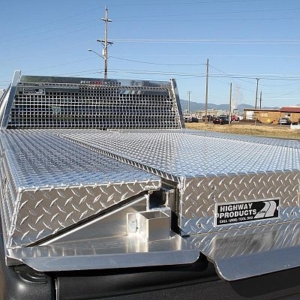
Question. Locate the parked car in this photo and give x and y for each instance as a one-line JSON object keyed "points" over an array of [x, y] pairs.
{"points": [[190, 118], [235, 118], [208, 117], [221, 120], [284, 121], [187, 118]]}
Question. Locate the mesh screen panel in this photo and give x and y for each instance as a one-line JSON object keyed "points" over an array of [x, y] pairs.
{"points": [[76, 105]]}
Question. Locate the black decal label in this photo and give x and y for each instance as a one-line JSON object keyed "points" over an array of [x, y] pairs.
{"points": [[237, 212], [33, 91]]}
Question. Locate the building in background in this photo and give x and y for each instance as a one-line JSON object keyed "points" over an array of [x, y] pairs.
{"points": [[271, 116]]}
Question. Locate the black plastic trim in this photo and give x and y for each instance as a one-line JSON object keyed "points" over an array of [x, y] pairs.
{"points": [[21, 282], [194, 282]]}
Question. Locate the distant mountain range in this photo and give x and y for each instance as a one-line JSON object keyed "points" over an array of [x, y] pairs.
{"points": [[194, 106]]}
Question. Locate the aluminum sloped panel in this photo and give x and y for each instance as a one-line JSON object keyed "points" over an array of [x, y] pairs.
{"points": [[55, 184], [104, 243], [239, 254], [110, 253]]}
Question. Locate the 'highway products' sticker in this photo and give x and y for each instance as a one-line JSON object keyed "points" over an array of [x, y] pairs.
{"points": [[238, 212]]}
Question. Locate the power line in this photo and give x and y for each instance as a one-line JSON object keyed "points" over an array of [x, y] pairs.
{"points": [[222, 12], [160, 73], [55, 21], [270, 77], [229, 74], [22, 30], [157, 64], [211, 41], [161, 3], [211, 19], [38, 41], [190, 75], [58, 29]]}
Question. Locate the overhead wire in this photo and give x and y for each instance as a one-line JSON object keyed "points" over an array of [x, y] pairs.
{"points": [[211, 41], [216, 76], [163, 16], [221, 13], [157, 64], [152, 3]]}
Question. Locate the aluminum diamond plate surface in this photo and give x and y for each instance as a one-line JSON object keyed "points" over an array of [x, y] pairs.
{"points": [[200, 196], [49, 184], [189, 155], [255, 251], [209, 169]]}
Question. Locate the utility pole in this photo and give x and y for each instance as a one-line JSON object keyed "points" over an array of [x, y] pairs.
{"points": [[260, 99], [206, 90], [256, 93], [230, 101], [189, 105], [105, 42]]}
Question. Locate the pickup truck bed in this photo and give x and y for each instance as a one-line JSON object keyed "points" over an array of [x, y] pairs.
{"points": [[100, 183]]}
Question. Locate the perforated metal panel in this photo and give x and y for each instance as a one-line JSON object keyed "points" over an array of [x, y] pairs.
{"points": [[58, 102]]}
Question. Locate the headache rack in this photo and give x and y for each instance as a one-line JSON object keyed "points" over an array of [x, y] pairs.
{"points": [[59, 102], [101, 174]]}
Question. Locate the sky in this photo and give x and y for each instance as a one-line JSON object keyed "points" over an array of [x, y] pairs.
{"points": [[251, 44]]}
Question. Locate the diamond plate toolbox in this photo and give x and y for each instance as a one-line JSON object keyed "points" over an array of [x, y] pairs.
{"points": [[256, 173], [49, 184]]}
